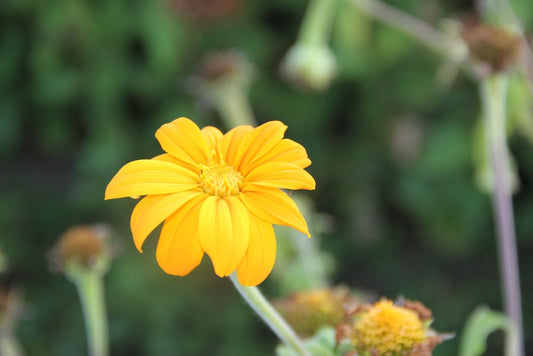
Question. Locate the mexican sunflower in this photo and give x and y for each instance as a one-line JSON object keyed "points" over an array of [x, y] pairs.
{"points": [[216, 193]]}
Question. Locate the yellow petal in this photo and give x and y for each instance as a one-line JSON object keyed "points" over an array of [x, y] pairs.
{"points": [[230, 143], [183, 140], [224, 232], [179, 251], [281, 175], [285, 150], [212, 136], [260, 256], [258, 142], [273, 206], [169, 158], [152, 210], [147, 176]]}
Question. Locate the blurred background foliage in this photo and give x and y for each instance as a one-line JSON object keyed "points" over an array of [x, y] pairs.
{"points": [[85, 84]]}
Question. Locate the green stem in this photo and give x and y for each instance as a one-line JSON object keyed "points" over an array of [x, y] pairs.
{"points": [[270, 316], [233, 105], [493, 94], [91, 291], [416, 28], [317, 22], [9, 345]]}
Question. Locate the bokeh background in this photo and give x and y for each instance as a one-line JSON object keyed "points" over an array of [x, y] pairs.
{"points": [[84, 86]]}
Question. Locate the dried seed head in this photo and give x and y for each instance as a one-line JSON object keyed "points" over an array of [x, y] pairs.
{"points": [[82, 245], [309, 310], [492, 46]]}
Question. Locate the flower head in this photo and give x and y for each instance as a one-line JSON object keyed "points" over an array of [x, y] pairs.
{"points": [[308, 311], [84, 246], [388, 329], [216, 193], [493, 47]]}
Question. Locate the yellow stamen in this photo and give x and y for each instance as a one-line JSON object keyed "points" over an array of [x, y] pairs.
{"points": [[220, 179]]}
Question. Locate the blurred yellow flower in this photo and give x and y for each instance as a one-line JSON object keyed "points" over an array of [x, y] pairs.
{"points": [[216, 193], [389, 330]]}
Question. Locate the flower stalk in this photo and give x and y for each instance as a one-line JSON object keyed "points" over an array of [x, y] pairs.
{"points": [[83, 255], [224, 81], [9, 346], [493, 96], [309, 62], [256, 300], [11, 307], [90, 288], [317, 23], [233, 105]]}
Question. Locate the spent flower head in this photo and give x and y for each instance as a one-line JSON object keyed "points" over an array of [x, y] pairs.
{"points": [[308, 311], [82, 246], [389, 329], [492, 48], [217, 194]]}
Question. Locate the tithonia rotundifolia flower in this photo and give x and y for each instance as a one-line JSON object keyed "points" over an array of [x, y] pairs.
{"points": [[216, 193]]}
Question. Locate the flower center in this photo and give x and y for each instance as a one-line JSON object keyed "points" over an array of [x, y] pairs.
{"points": [[220, 179], [388, 329]]}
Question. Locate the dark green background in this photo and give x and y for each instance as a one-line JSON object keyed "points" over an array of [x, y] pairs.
{"points": [[84, 86]]}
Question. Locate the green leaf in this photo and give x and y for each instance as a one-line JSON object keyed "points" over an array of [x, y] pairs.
{"points": [[480, 324]]}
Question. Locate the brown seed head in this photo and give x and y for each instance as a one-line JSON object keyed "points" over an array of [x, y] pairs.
{"points": [[308, 311], [80, 244], [492, 46]]}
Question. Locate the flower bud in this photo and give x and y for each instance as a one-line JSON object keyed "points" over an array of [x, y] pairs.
{"points": [[310, 66]]}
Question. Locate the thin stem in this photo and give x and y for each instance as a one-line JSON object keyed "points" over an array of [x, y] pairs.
{"points": [[502, 12], [493, 93], [91, 291], [233, 105], [411, 25], [9, 345], [317, 22], [270, 316]]}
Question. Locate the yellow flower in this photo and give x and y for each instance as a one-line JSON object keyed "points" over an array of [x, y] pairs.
{"points": [[218, 194], [388, 330]]}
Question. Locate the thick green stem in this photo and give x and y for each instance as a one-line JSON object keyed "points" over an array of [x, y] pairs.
{"points": [[270, 316], [91, 291], [317, 23], [493, 94]]}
